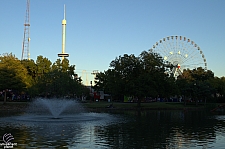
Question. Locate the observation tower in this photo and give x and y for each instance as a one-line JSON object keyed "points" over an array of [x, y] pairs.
{"points": [[63, 54]]}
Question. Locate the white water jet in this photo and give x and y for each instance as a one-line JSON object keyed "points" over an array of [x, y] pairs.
{"points": [[55, 107], [58, 111]]}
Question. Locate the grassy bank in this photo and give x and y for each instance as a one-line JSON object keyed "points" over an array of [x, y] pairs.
{"points": [[20, 106], [147, 106], [13, 106]]}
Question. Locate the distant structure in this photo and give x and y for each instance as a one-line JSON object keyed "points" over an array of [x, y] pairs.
{"points": [[95, 72], [26, 36], [84, 73], [63, 54]]}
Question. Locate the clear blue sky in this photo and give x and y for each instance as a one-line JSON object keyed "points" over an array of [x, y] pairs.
{"points": [[98, 31]]}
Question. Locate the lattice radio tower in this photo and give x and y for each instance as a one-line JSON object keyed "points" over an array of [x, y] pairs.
{"points": [[26, 36]]}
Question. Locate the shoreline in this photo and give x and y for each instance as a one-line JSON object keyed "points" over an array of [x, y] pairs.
{"points": [[113, 106]]}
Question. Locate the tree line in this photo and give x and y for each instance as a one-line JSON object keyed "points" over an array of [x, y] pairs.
{"points": [[150, 76], [147, 76], [38, 78]]}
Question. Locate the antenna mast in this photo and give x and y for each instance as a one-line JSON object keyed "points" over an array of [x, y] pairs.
{"points": [[26, 36]]}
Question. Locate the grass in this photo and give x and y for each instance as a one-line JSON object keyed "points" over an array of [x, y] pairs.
{"points": [[13, 106], [152, 105], [117, 105]]}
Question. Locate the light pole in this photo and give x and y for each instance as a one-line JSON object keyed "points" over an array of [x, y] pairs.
{"points": [[91, 86], [5, 96]]}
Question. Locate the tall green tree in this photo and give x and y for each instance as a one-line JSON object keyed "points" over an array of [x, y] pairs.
{"points": [[43, 65], [60, 80], [64, 66], [135, 76], [61, 65], [31, 68], [218, 85], [195, 83], [13, 75], [157, 79]]}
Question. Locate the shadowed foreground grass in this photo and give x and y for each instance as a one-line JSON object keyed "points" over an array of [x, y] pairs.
{"points": [[152, 105], [15, 106]]}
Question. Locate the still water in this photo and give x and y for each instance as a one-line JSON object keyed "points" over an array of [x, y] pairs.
{"points": [[123, 130]]}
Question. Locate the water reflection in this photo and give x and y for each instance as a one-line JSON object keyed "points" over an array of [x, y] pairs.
{"points": [[166, 129], [143, 129]]}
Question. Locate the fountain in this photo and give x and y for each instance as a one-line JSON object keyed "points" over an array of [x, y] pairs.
{"points": [[55, 123], [55, 111], [54, 107]]}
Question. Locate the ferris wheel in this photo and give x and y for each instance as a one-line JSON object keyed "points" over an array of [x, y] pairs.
{"points": [[181, 52]]}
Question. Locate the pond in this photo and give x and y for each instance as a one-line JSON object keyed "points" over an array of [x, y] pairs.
{"points": [[122, 130]]}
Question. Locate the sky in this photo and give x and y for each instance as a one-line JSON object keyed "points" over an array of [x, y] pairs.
{"points": [[98, 31]]}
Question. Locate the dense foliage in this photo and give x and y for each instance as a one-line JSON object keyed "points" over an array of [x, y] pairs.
{"points": [[13, 75], [136, 76], [41, 78], [142, 77], [148, 77]]}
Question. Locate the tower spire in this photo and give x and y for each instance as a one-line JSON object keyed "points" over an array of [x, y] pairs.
{"points": [[64, 12]]}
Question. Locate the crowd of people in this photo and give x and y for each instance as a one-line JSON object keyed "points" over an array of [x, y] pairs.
{"points": [[13, 96]]}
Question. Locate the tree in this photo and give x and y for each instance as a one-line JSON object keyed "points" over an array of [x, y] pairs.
{"points": [[59, 84], [13, 75], [157, 80], [43, 65], [127, 70], [135, 76], [31, 68], [222, 87], [60, 80], [218, 85], [64, 66], [195, 83], [61, 65]]}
